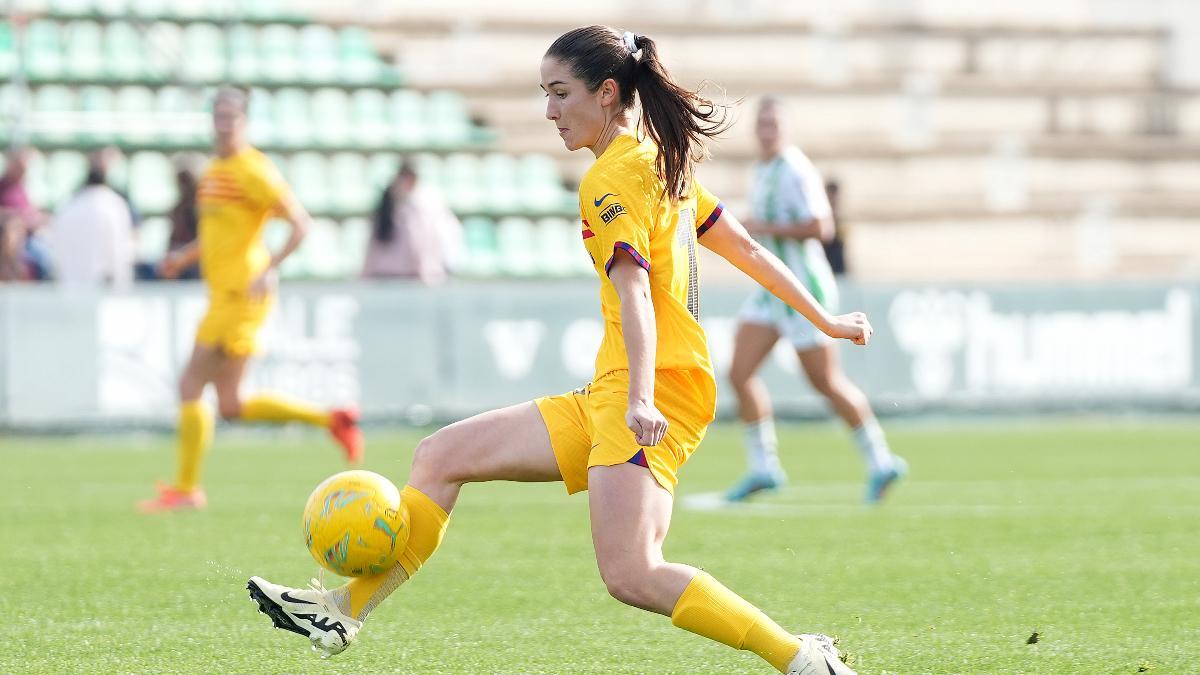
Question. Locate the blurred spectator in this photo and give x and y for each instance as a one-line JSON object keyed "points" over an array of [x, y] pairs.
{"points": [[91, 235], [184, 216], [104, 159], [14, 265], [15, 198], [835, 249], [415, 235]]}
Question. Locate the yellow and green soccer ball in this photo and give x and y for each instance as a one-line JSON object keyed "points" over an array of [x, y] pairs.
{"points": [[355, 524]]}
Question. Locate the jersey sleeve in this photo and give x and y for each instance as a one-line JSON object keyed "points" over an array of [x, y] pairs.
{"points": [[805, 195], [618, 214], [708, 209], [267, 186]]}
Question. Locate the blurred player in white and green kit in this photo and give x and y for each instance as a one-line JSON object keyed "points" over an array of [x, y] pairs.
{"points": [[791, 217]]}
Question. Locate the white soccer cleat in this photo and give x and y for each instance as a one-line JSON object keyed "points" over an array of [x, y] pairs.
{"points": [[310, 612], [818, 656]]}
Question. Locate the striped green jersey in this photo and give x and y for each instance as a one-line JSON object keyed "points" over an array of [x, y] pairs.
{"points": [[789, 189]]}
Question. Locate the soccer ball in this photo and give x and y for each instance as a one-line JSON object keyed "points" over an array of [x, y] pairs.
{"points": [[355, 524]]}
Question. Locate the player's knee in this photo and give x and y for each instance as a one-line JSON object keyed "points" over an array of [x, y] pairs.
{"points": [[628, 581], [229, 410], [432, 459], [824, 384]]}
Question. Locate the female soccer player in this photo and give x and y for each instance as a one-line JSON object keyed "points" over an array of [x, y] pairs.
{"points": [[624, 436], [238, 193], [791, 218]]}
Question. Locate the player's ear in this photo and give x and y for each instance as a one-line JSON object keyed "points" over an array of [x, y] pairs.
{"points": [[608, 92]]}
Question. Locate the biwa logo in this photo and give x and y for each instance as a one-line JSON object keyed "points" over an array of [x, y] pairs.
{"points": [[612, 212]]}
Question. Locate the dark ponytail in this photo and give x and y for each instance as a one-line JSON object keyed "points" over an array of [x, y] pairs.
{"points": [[678, 120]]}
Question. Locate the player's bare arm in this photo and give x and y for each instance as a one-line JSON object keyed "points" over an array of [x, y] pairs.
{"points": [[813, 228], [632, 283], [728, 239]]}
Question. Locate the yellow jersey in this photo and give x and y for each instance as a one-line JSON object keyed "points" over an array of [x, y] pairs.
{"points": [[235, 197], [624, 206]]}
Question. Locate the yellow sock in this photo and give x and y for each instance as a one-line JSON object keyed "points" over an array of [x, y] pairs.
{"points": [[271, 408], [426, 525], [707, 608], [195, 435]]}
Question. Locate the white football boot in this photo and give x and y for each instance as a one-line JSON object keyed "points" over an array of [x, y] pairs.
{"points": [[818, 656], [310, 612]]}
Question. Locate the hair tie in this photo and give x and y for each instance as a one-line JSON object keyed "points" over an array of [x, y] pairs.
{"points": [[631, 43]]}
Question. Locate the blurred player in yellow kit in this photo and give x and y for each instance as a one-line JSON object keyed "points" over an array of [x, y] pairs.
{"points": [[239, 192], [624, 437]]}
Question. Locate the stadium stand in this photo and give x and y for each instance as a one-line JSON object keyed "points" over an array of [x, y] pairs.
{"points": [[984, 141], [331, 113]]}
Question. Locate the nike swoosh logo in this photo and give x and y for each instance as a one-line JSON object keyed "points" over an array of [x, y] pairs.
{"points": [[288, 598], [598, 202]]}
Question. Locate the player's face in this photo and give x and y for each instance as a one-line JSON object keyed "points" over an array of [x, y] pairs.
{"points": [[768, 127], [578, 113], [228, 120]]}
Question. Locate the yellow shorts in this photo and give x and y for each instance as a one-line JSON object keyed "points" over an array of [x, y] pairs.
{"points": [[587, 426], [232, 322]]}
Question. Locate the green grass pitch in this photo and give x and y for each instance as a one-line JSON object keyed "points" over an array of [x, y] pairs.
{"points": [[1087, 533]]}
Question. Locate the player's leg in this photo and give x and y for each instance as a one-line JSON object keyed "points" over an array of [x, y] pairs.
{"points": [[630, 515], [752, 344], [822, 366], [240, 338], [508, 444], [195, 430]]}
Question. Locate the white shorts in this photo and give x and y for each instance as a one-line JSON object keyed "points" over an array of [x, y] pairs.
{"points": [[764, 309]]}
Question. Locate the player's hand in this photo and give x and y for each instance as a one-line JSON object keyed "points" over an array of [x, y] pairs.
{"points": [[264, 285], [647, 424], [169, 267], [853, 327]]}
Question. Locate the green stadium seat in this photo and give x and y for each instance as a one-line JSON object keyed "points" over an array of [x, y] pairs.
{"points": [[462, 185], [37, 182], [407, 110], [43, 50], [136, 114], [85, 54], [182, 117], [149, 8], [264, 10], [161, 49], [309, 178], [244, 63], [8, 51], [110, 8], [203, 53], [482, 255], [355, 238], [517, 247], [539, 184], [191, 9], [70, 7], [152, 182], [559, 247], [371, 127], [357, 61], [381, 169], [98, 106], [319, 50], [65, 173], [124, 58], [499, 184], [329, 114], [446, 120], [350, 192], [296, 264], [280, 62], [262, 118], [431, 170], [293, 127], [153, 238], [323, 257], [52, 105]]}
